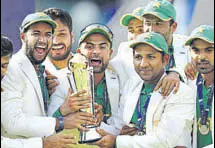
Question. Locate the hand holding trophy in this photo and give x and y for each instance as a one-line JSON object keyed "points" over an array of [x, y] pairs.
{"points": [[81, 78]]}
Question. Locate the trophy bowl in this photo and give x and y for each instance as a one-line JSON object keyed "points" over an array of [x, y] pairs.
{"points": [[81, 78]]}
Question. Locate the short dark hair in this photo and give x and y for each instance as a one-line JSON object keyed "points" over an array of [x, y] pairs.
{"points": [[6, 46], [62, 15]]}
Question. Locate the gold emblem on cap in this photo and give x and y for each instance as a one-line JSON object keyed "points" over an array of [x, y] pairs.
{"points": [[41, 14], [200, 30], [148, 36], [157, 4]]}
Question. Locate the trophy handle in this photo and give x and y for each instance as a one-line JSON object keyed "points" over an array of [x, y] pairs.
{"points": [[92, 90], [72, 84]]}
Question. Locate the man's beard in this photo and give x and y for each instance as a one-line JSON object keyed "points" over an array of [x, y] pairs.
{"points": [[103, 65], [102, 69], [205, 70], [29, 53]]}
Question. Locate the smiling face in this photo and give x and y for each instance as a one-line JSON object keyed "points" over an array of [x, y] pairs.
{"points": [[38, 41], [62, 42], [154, 24], [149, 63], [202, 54], [135, 27], [97, 48]]}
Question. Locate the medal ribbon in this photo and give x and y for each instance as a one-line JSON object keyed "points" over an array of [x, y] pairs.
{"points": [[44, 88], [142, 113], [204, 112]]}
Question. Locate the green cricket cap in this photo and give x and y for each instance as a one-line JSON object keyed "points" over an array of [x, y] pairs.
{"points": [[204, 32], [136, 14], [152, 39], [96, 28], [35, 18], [162, 9]]}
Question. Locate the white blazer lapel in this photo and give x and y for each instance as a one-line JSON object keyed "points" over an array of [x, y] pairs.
{"points": [[155, 100], [113, 89], [134, 90], [30, 73]]}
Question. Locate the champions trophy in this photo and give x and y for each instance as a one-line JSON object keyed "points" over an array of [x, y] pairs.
{"points": [[81, 77]]}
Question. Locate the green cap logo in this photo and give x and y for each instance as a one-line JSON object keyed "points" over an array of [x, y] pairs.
{"points": [[155, 40], [203, 32], [136, 14], [162, 9], [157, 5]]}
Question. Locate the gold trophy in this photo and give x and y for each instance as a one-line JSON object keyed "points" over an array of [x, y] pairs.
{"points": [[81, 77]]}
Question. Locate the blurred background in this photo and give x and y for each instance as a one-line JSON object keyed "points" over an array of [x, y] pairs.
{"points": [[190, 14]]}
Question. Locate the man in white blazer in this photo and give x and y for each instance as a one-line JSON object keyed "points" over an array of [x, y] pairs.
{"points": [[23, 99], [159, 122], [201, 42], [96, 43]]}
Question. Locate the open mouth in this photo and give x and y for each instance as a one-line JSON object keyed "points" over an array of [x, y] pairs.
{"points": [[95, 62], [40, 51], [58, 47]]}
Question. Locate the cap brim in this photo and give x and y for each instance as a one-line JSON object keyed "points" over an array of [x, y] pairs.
{"points": [[52, 23], [125, 19], [159, 15], [133, 45], [188, 42], [97, 30]]}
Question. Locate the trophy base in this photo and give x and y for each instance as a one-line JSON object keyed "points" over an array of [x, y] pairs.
{"points": [[90, 136]]}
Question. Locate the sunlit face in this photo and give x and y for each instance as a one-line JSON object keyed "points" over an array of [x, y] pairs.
{"points": [[97, 48], [4, 64], [148, 63], [62, 42], [38, 41], [202, 54], [154, 24], [135, 27]]}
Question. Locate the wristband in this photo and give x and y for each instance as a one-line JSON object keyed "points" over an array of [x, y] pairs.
{"points": [[61, 124]]}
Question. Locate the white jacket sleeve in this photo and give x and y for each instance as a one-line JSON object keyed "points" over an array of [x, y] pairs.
{"points": [[21, 143], [15, 120]]}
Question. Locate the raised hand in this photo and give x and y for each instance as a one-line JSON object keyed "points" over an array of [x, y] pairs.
{"points": [[190, 70], [75, 102], [51, 82], [58, 141], [169, 83], [126, 130], [98, 113], [77, 119], [108, 140]]}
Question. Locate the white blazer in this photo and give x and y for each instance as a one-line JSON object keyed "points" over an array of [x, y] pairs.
{"points": [[168, 121], [21, 143], [22, 107], [192, 84], [112, 81]]}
